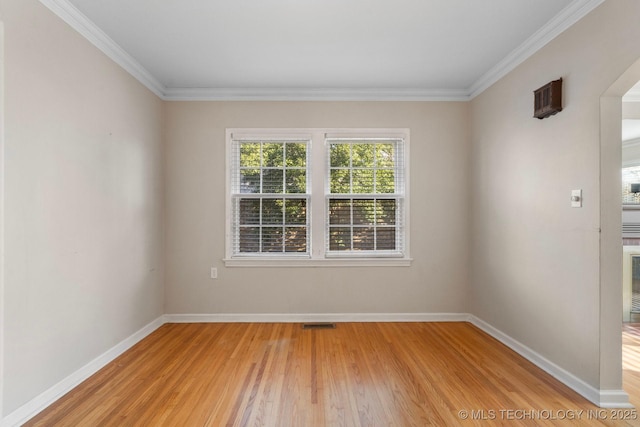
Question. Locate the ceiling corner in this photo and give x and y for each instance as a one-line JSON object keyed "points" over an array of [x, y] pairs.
{"points": [[571, 14], [83, 25]]}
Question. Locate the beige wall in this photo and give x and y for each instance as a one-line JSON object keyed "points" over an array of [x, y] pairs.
{"points": [[536, 261], [83, 197], [195, 214]]}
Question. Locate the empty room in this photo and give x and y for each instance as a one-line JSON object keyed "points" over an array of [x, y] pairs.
{"points": [[315, 213]]}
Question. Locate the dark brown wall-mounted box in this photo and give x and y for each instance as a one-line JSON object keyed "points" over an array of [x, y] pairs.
{"points": [[548, 99]]}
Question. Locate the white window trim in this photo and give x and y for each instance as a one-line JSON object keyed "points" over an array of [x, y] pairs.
{"points": [[318, 183]]}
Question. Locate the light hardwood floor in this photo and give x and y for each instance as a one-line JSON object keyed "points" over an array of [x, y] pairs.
{"points": [[359, 374]]}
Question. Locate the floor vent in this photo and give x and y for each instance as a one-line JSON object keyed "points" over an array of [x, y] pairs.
{"points": [[318, 326]]}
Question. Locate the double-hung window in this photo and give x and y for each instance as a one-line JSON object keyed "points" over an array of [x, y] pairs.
{"points": [[298, 197], [365, 198], [270, 197]]}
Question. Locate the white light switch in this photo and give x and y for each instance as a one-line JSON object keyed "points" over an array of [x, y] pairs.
{"points": [[214, 273], [576, 198]]}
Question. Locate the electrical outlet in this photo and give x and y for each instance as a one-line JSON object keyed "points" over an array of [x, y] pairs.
{"points": [[214, 273]]}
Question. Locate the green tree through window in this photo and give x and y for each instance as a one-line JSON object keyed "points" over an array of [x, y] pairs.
{"points": [[363, 199], [272, 205]]}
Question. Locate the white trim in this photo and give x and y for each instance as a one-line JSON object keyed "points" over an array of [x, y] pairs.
{"points": [[613, 399], [602, 398], [40, 402], [322, 262], [309, 94], [315, 317], [571, 14], [2, 235], [575, 11], [79, 22]]}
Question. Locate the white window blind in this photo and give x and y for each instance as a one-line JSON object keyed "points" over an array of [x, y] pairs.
{"points": [[365, 200], [270, 197]]}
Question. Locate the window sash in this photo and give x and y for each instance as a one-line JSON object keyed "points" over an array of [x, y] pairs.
{"points": [[366, 236], [353, 236], [263, 188], [286, 227]]}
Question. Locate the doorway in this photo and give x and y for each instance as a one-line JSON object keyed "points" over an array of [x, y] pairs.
{"points": [[630, 161], [611, 255]]}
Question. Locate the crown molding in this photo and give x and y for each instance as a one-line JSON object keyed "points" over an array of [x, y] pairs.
{"points": [[78, 21], [311, 94], [571, 14]]}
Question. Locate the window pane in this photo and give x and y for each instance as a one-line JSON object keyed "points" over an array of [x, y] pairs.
{"points": [[250, 180], [362, 181], [249, 239], [385, 181], [339, 211], [296, 181], [386, 238], [362, 155], [363, 212], [296, 154], [386, 212], [272, 154], [363, 239], [385, 155], [249, 211], [340, 155], [340, 181], [272, 211], [295, 239], [272, 239], [295, 211], [340, 238], [272, 181], [268, 224], [250, 154]]}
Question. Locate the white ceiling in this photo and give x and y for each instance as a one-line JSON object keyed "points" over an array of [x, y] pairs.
{"points": [[449, 49]]}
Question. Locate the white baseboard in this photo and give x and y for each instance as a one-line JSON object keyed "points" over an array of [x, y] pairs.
{"points": [[316, 317], [40, 402], [602, 398]]}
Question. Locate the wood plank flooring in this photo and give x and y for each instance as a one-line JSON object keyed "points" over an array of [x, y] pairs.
{"points": [[359, 374]]}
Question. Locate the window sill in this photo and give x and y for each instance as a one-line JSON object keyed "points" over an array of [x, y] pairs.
{"points": [[306, 262]]}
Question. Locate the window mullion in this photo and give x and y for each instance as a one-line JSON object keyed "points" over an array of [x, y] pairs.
{"points": [[284, 199], [260, 228], [318, 170], [375, 222], [261, 170]]}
